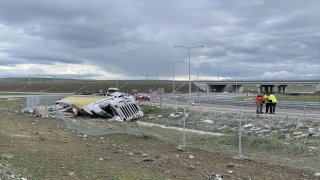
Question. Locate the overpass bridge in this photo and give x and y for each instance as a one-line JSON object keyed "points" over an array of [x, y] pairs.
{"points": [[263, 86]]}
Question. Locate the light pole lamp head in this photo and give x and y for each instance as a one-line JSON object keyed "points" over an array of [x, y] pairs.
{"points": [[173, 62], [187, 47], [181, 47], [195, 47]]}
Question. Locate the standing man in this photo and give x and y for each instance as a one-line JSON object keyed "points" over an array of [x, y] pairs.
{"points": [[268, 102], [259, 103], [273, 104]]}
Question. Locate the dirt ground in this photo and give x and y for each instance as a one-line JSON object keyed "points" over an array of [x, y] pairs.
{"points": [[42, 148]]}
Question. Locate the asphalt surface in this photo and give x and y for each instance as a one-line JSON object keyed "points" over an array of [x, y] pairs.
{"points": [[232, 108]]}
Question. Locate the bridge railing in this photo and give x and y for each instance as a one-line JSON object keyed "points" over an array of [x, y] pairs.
{"points": [[295, 104]]}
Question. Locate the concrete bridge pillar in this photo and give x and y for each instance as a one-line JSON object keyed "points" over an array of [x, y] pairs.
{"points": [[267, 89], [317, 87], [259, 88], [279, 89], [282, 88], [271, 89]]}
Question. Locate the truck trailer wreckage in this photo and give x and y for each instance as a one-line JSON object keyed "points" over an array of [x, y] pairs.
{"points": [[117, 106]]}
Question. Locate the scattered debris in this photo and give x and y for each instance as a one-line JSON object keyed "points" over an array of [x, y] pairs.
{"points": [[7, 172], [230, 165], [179, 148], [149, 159], [216, 176], [6, 156]]}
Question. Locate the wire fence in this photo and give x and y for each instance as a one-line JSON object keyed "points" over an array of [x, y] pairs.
{"points": [[284, 140]]}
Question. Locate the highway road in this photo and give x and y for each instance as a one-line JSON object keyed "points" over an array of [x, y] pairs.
{"points": [[246, 109]]}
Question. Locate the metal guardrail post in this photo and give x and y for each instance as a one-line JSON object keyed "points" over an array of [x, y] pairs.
{"points": [[184, 128], [46, 107], [304, 107], [239, 151]]}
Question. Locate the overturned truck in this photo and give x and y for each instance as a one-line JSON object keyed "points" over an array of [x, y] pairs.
{"points": [[117, 106]]}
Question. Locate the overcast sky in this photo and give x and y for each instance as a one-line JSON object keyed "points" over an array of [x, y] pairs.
{"points": [[131, 39]]}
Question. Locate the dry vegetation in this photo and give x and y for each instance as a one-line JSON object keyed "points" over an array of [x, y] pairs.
{"points": [[40, 148]]}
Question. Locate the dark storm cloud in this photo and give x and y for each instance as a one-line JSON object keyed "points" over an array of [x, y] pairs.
{"points": [[11, 62], [134, 38], [77, 24]]}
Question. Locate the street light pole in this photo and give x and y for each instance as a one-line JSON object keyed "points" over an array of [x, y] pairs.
{"points": [[197, 79], [218, 72], [198, 89], [173, 89], [237, 82], [189, 62]]}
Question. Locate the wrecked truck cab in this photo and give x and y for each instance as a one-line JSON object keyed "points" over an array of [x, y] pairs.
{"points": [[112, 90], [118, 106]]}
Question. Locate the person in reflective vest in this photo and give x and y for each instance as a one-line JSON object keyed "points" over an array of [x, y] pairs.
{"points": [[273, 104], [268, 102]]}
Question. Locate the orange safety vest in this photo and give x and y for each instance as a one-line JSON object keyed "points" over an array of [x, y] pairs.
{"points": [[259, 99]]}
